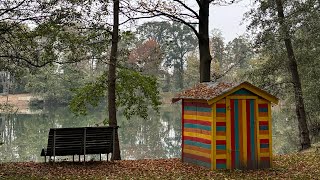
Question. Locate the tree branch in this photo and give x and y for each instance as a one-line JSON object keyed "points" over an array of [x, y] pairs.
{"points": [[188, 8]]}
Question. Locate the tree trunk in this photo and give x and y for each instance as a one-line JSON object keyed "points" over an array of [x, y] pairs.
{"points": [[300, 110], [112, 77], [204, 50]]}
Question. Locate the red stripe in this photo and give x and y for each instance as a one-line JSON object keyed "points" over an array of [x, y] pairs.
{"points": [[265, 158], [220, 105], [182, 143], [221, 161], [233, 155], [221, 142], [264, 141], [205, 141], [221, 123], [261, 123], [190, 121], [197, 104], [263, 105], [201, 158], [248, 131]]}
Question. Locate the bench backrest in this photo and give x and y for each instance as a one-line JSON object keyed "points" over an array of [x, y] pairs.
{"points": [[85, 140]]}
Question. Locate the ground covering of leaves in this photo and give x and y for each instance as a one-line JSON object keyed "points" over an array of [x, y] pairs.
{"points": [[293, 166]]}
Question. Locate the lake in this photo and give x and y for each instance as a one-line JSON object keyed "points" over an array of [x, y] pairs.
{"points": [[24, 135]]}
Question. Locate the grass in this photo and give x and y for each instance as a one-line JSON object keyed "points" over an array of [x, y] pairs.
{"points": [[292, 166]]}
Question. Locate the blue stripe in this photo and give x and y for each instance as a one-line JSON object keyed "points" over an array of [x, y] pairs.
{"points": [[243, 92], [236, 132], [264, 145], [194, 108], [221, 110], [197, 162], [190, 108], [197, 126], [221, 147], [263, 127], [263, 109], [203, 109], [221, 166], [252, 130], [221, 128], [199, 144]]}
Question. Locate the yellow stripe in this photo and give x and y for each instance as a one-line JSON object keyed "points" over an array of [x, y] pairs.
{"points": [[257, 131], [262, 101], [198, 153], [221, 137], [265, 154], [221, 119], [244, 129], [222, 156], [196, 148], [200, 118], [222, 101], [228, 129], [264, 136], [201, 131], [263, 118], [270, 133], [242, 97], [213, 135], [203, 136]]}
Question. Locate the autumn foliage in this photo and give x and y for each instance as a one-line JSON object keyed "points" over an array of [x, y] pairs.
{"points": [[293, 166]]}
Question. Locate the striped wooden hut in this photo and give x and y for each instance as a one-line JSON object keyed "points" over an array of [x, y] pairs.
{"points": [[227, 126]]}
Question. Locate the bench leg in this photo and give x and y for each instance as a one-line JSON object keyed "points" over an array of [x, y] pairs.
{"points": [[79, 157], [100, 157], [72, 158], [45, 159], [107, 157]]}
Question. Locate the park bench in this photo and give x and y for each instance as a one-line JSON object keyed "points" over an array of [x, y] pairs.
{"points": [[80, 141]]}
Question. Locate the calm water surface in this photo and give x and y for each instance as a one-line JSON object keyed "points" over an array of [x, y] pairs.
{"points": [[24, 135]]}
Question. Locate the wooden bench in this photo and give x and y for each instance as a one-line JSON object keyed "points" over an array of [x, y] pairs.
{"points": [[80, 141]]}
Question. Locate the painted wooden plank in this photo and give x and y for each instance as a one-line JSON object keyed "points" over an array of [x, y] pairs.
{"points": [[264, 155], [200, 118], [197, 126], [243, 92], [200, 131], [191, 121], [228, 134], [270, 135], [198, 135], [183, 129], [193, 156], [244, 134], [220, 119], [221, 110], [221, 128], [213, 135], [197, 162], [198, 153], [252, 131], [221, 138], [237, 134], [221, 115], [232, 118], [198, 104], [197, 139], [221, 147], [222, 156], [221, 133], [195, 108], [240, 133], [220, 151], [257, 133], [198, 144], [196, 148]]}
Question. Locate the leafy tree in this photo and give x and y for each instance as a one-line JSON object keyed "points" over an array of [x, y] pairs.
{"points": [[183, 12], [287, 26]]}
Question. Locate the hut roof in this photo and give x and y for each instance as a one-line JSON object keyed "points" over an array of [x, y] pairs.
{"points": [[214, 91]]}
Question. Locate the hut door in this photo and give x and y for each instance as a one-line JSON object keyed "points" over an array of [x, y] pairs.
{"points": [[243, 133]]}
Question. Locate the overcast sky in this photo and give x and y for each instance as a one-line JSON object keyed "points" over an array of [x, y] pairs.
{"points": [[228, 19]]}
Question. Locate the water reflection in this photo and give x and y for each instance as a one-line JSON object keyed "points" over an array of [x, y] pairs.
{"points": [[24, 135]]}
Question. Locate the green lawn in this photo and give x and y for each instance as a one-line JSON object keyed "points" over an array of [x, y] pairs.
{"points": [[293, 166]]}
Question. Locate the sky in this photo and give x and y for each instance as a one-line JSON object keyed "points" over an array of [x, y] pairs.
{"points": [[228, 19]]}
